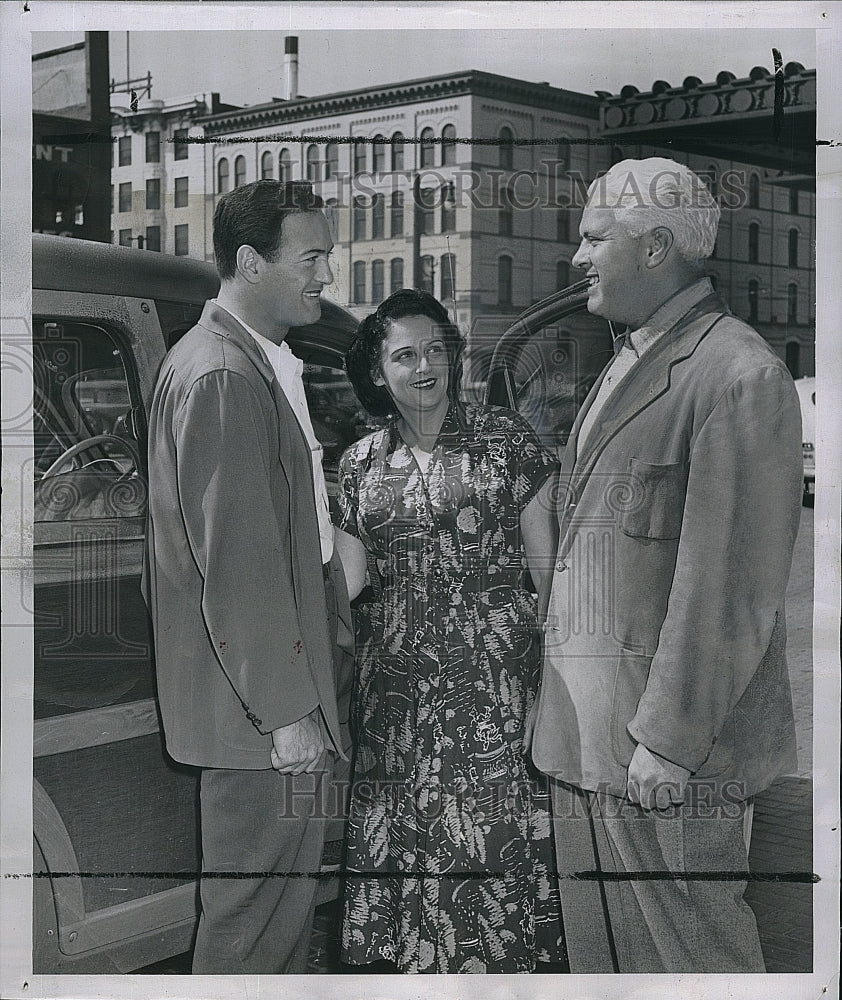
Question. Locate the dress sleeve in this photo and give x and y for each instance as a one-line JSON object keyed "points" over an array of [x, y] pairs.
{"points": [[530, 463], [348, 495]]}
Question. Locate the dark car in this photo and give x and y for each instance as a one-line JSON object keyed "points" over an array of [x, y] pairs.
{"points": [[115, 818]]}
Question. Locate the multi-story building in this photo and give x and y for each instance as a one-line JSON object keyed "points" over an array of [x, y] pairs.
{"points": [[158, 192]]}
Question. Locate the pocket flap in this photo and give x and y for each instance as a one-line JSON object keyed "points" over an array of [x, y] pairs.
{"points": [[657, 509]]}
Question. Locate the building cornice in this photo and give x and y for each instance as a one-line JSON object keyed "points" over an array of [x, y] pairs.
{"points": [[471, 82]]}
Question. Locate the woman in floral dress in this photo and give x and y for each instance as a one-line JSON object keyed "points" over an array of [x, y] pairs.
{"points": [[450, 829]]}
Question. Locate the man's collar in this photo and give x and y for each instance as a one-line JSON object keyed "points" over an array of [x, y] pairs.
{"points": [[665, 316], [274, 353]]}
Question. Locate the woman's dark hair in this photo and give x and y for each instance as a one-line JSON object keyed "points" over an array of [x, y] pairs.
{"points": [[254, 214], [363, 358]]}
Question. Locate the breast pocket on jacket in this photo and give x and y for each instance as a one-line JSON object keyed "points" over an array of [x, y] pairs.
{"points": [[656, 506]]}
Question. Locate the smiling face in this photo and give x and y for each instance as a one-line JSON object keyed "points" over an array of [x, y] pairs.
{"points": [[288, 290], [415, 368], [615, 262]]}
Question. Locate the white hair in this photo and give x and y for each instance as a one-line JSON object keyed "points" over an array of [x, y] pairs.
{"points": [[645, 194]]}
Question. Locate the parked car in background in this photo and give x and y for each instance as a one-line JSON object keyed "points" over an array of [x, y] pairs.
{"points": [[807, 396], [114, 817]]}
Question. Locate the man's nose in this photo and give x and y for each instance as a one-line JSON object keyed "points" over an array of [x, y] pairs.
{"points": [[325, 274], [581, 258]]}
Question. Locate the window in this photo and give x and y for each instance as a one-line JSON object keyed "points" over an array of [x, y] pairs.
{"points": [[359, 282], [447, 271], [181, 241], [284, 166], [792, 248], [793, 201], [336, 414], [426, 212], [124, 152], [377, 281], [793, 358], [506, 149], [111, 209], [359, 219], [396, 275], [378, 217], [792, 303], [181, 192], [754, 191], [313, 163], [378, 155], [448, 146], [428, 148], [562, 274], [222, 176], [153, 194], [331, 160], [506, 214], [267, 167], [125, 203], [359, 156], [753, 292], [504, 281], [153, 147], [427, 280], [125, 237], [397, 151], [239, 171], [753, 241], [562, 225], [332, 216], [396, 214], [448, 209], [153, 238], [181, 149]]}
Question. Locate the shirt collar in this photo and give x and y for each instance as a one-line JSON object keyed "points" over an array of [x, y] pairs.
{"points": [[279, 356], [667, 315]]}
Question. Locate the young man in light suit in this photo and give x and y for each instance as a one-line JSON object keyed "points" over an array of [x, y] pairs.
{"points": [[665, 702], [244, 581]]}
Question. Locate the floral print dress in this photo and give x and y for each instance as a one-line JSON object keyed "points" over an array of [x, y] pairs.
{"points": [[449, 827]]}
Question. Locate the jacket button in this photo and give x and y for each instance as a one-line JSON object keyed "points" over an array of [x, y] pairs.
{"points": [[560, 566]]}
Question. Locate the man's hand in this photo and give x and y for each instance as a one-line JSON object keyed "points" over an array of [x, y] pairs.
{"points": [[298, 748], [655, 783]]}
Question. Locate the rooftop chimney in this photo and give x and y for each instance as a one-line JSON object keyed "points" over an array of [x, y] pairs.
{"points": [[290, 67]]}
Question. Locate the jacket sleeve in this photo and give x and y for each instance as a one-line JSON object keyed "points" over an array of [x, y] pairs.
{"points": [[241, 546], [737, 535]]}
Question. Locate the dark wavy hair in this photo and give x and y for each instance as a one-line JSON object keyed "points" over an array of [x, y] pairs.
{"points": [[254, 214], [363, 358]]}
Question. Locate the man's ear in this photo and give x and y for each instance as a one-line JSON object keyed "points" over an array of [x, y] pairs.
{"points": [[659, 244], [248, 260]]}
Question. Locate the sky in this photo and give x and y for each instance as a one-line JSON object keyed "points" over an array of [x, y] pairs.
{"points": [[246, 67]]}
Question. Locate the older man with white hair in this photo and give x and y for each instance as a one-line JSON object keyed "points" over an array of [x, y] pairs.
{"points": [[665, 702]]}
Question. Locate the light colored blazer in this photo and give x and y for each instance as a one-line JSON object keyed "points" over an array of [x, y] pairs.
{"points": [[234, 574], [665, 623]]}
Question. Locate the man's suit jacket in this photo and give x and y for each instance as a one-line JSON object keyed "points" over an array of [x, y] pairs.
{"points": [[234, 572], [665, 623]]}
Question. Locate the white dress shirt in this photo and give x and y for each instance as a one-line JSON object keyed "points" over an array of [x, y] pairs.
{"points": [[288, 370]]}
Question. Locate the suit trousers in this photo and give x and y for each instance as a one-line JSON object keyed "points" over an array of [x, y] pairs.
{"points": [[658, 922]]}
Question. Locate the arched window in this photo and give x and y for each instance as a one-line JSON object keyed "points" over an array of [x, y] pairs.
{"points": [[239, 171], [428, 148], [506, 213], [504, 281], [792, 303], [359, 282], [562, 274], [378, 218], [267, 167], [753, 294], [448, 145], [331, 160], [562, 225], [427, 284], [753, 242], [358, 219], [447, 270], [506, 148], [427, 211], [332, 216], [793, 358], [396, 274], [397, 151], [222, 176], [792, 248], [793, 201], [359, 156], [313, 163], [378, 155], [448, 209], [378, 291], [284, 167], [396, 215], [754, 191]]}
